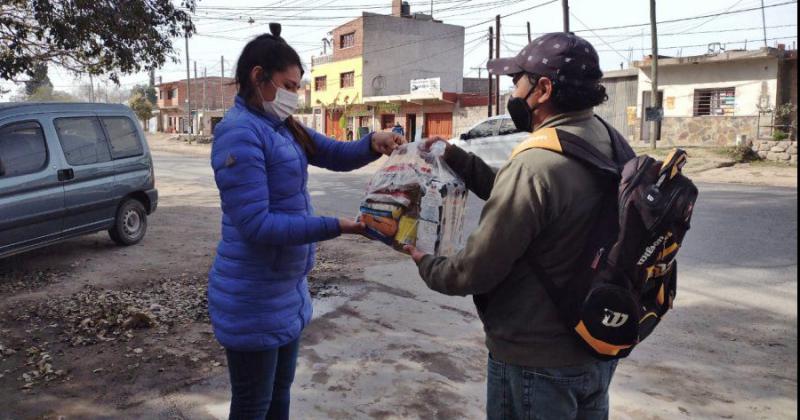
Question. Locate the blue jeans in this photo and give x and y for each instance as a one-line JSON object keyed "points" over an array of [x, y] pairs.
{"points": [[575, 392], [260, 382]]}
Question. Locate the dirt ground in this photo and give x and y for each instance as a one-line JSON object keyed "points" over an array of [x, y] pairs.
{"points": [[92, 330]]}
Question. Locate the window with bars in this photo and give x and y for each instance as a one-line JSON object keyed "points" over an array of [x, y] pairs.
{"points": [[716, 102], [320, 83], [348, 79], [347, 40]]}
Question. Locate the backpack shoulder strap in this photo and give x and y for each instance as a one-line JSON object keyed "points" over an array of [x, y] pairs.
{"points": [[572, 146]]}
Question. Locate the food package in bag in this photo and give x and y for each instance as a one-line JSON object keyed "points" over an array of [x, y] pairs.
{"points": [[416, 199]]}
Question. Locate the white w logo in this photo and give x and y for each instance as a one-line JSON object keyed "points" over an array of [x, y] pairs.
{"points": [[614, 319]]}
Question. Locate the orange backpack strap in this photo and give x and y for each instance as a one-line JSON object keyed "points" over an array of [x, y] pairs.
{"points": [[571, 146], [545, 138]]}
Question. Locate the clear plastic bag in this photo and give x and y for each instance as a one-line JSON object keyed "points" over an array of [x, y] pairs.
{"points": [[416, 199]]}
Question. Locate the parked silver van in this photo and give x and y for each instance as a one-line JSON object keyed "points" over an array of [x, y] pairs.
{"points": [[492, 139], [72, 169]]}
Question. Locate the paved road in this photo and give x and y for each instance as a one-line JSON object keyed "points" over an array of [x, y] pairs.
{"points": [[729, 349]]}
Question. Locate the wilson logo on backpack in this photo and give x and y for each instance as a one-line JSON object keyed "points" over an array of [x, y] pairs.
{"points": [[614, 319]]}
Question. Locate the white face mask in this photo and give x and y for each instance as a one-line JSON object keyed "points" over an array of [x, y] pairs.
{"points": [[284, 105]]}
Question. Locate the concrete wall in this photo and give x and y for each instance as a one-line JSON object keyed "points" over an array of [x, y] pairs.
{"points": [[750, 78], [476, 85], [422, 50], [622, 93], [465, 118]]}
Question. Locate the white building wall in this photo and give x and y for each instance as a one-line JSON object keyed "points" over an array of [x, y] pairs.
{"points": [[748, 77]]}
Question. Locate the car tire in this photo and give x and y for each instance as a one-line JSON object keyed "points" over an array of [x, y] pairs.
{"points": [[130, 223]]}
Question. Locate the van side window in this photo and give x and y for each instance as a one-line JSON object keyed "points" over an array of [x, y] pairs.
{"points": [[83, 140], [507, 127], [123, 136], [23, 149], [484, 129]]}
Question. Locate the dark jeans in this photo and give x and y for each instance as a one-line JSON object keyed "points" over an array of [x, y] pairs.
{"points": [[260, 382], [575, 392]]}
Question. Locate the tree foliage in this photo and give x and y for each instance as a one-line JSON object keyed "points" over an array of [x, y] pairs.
{"points": [[98, 37], [148, 92], [141, 106], [38, 79]]}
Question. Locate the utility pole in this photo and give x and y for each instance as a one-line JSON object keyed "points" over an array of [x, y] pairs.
{"points": [[195, 70], [764, 23], [221, 76], [497, 55], [529, 32], [188, 81], [565, 7], [654, 103], [491, 54], [91, 86], [431, 8], [479, 70], [205, 79]]}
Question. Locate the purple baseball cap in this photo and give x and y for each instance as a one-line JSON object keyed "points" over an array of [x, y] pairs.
{"points": [[561, 56]]}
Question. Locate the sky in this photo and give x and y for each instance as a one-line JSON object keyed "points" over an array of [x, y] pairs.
{"points": [[223, 28]]}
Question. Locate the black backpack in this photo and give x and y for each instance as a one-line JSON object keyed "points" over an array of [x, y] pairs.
{"points": [[626, 278]]}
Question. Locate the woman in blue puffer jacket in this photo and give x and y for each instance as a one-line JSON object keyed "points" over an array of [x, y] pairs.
{"points": [[258, 294]]}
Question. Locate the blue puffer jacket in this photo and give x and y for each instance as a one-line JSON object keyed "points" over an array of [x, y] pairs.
{"points": [[257, 292]]}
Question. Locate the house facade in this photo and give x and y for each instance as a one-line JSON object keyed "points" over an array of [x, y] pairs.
{"points": [[714, 98], [365, 83], [210, 97]]}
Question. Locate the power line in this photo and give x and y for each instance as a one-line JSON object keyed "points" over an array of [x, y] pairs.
{"points": [[794, 36], [689, 18]]}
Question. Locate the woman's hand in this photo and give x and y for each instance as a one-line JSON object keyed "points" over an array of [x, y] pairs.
{"points": [[385, 142], [350, 227]]}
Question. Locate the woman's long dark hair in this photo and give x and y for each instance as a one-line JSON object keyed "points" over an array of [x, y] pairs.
{"points": [[273, 54]]}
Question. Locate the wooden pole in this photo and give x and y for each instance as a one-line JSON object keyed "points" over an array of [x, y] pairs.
{"points": [[654, 72], [565, 11], [497, 55], [491, 54]]}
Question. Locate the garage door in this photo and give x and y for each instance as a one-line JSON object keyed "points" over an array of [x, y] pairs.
{"points": [[439, 124]]}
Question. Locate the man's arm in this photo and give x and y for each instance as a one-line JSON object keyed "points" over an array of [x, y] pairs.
{"points": [[512, 217], [477, 175]]}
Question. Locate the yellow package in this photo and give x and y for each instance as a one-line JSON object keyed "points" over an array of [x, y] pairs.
{"points": [[407, 231]]}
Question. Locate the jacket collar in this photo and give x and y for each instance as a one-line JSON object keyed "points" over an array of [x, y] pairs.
{"points": [[271, 120]]}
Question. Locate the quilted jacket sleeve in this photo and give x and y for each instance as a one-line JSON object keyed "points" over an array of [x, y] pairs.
{"points": [[341, 156], [241, 176]]}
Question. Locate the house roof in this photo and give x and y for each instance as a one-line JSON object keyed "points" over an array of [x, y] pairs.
{"points": [[224, 80], [729, 56]]}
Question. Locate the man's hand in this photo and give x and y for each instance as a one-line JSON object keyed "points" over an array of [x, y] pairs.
{"points": [[431, 141], [350, 227], [385, 142], [416, 255]]}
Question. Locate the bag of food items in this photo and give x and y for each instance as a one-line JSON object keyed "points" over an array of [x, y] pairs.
{"points": [[416, 199]]}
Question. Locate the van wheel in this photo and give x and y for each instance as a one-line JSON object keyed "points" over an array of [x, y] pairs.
{"points": [[130, 224]]}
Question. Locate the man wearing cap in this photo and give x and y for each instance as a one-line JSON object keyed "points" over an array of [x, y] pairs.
{"points": [[538, 213]]}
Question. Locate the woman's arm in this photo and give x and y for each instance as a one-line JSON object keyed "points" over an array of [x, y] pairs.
{"points": [[341, 156], [241, 177]]}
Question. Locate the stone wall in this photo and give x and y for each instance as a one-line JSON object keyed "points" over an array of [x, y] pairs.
{"points": [[779, 151], [707, 131]]}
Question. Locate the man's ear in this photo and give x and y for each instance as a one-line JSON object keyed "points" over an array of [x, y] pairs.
{"points": [[545, 87]]}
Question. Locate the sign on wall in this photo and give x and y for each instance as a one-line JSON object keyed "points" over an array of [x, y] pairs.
{"points": [[426, 85]]}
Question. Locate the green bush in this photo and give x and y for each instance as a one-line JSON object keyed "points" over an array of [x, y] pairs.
{"points": [[779, 135], [742, 154]]}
